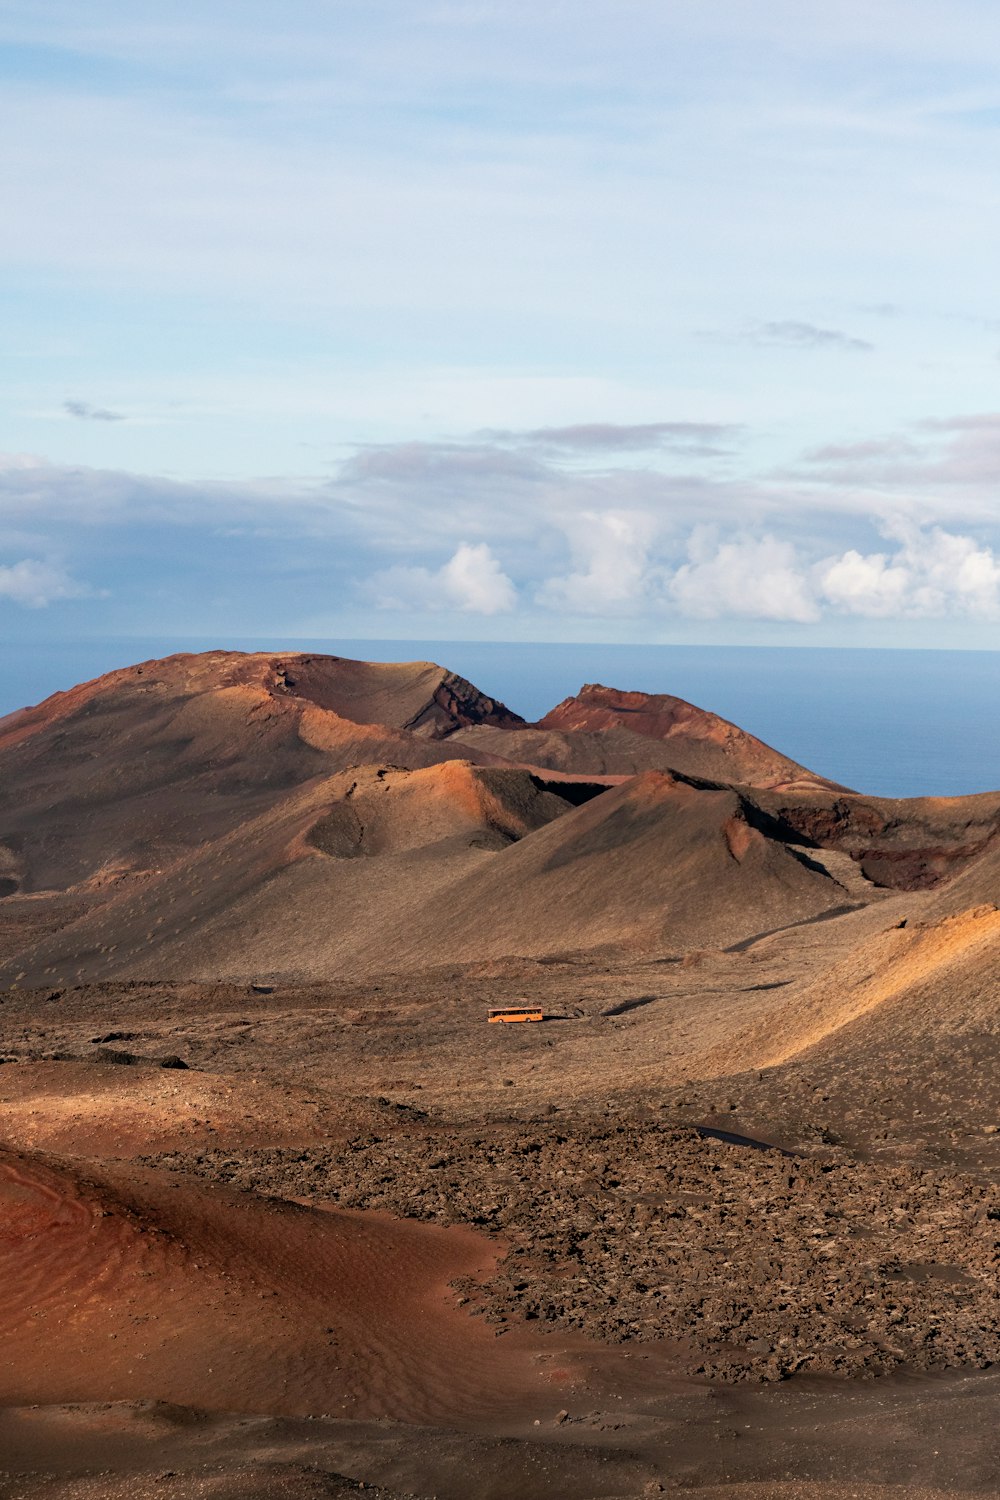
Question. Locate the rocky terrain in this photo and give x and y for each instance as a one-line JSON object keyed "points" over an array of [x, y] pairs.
{"points": [[282, 1213], [753, 1266]]}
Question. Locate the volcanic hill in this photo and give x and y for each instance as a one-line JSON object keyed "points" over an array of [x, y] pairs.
{"points": [[206, 816], [283, 1214]]}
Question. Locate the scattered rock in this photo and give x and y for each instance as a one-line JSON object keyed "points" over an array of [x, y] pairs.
{"points": [[630, 1231]]}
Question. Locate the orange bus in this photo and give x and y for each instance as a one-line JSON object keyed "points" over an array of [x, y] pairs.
{"points": [[523, 1012]]}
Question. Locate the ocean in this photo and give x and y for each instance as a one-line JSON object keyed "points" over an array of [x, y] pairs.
{"points": [[892, 723]]}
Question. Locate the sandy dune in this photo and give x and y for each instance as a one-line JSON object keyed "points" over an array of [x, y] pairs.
{"points": [[117, 1286]]}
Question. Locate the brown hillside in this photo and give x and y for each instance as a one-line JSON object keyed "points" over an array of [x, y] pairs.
{"points": [[656, 863], [917, 980], [127, 773], [912, 844], [977, 882], [282, 1214], [388, 870], [602, 730], [321, 877], [197, 812]]}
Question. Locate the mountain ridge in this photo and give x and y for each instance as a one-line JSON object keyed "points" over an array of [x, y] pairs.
{"points": [[181, 812]]}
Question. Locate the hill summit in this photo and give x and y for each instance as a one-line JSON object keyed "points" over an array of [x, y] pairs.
{"points": [[223, 814]]}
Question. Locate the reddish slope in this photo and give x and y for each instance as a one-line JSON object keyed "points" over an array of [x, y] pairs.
{"points": [[977, 883], [123, 1286], [656, 863], [913, 985], [417, 696], [910, 844], [657, 715], [131, 771], [187, 811], [603, 730], [456, 805]]}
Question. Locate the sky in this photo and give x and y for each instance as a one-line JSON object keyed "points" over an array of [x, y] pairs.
{"points": [[612, 320]]}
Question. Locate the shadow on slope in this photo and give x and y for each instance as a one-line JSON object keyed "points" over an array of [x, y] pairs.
{"points": [[657, 862]]}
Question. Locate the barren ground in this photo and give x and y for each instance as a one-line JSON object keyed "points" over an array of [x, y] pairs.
{"points": [[573, 1283]]}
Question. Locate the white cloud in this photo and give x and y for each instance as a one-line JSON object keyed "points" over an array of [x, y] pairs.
{"points": [[612, 553], [759, 577], [867, 584], [35, 584], [630, 546], [472, 581], [933, 573]]}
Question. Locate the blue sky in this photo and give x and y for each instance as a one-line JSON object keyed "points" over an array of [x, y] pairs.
{"points": [[595, 321]]}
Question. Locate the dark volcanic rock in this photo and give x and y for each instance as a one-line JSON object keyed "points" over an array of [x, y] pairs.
{"points": [[757, 1263]]}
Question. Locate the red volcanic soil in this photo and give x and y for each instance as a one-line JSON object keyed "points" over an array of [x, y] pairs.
{"points": [[126, 774], [415, 696], [603, 730], [192, 817], [254, 914], [657, 715], [910, 844], [118, 1285]]}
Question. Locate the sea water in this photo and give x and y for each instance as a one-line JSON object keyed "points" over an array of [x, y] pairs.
{"points": [[892, 723]]}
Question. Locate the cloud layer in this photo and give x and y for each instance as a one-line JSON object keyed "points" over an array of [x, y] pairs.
{"points": [[365, 316], [538, 528], [795, 335], [88, 413]]}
